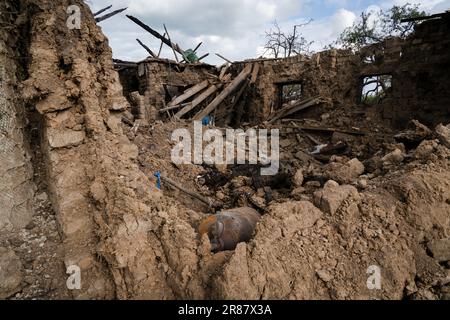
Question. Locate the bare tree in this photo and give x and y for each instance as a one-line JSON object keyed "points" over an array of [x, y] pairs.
{"points": [[283, 45]]}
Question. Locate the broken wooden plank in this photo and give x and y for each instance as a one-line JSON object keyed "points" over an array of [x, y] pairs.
{"points": [[327, 129], [102, 10], [109, 15], [255, 73], [302, 105], [161, 46], [198, 46], [150, 30], [239, 95], [174, 107], [205, 95], [423, 18], [225, 93], [156, 34], [310, 137], [189, 93], [222, 57], [237, 100], [203, 57], [279, 113], [192, 194], [224, 71], [226, 78], [172, 46], [315, 141], [147, 48], [125, 65]]}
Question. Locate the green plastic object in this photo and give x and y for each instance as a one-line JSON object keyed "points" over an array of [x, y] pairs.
{"points": [[190, 56]]}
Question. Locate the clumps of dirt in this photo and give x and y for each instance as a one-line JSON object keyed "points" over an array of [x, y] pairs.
{"points": [[347, 216], [40, 272]]}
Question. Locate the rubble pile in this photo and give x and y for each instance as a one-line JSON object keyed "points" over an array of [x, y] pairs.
{"points": [[359, 188]]}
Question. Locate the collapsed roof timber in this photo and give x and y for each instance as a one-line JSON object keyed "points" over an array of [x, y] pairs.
{"points": [[88, 182]]}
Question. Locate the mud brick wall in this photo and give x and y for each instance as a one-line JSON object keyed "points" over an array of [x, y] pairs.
{"points": [[421, 80], [16, 173], [129, 80], [419, 67], [328, 74], [157, 77]]}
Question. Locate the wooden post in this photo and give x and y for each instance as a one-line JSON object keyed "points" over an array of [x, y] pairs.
{"points": [[222, 57], [203, 57], [156, 34], [172, 45], [225, 93], [146, 48], [255, 73], [109, 15], [198, 46], [103, 10], [160, 47]]}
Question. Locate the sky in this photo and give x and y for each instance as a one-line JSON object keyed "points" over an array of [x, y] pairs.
{"points": [[233, 28]]}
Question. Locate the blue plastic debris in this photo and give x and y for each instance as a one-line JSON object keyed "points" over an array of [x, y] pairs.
{"points": [[208, 120], [158, 180]]}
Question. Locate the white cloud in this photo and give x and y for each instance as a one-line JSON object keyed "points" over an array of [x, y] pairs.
{"points": [[339, 3], [342, 19], [233, 28]]}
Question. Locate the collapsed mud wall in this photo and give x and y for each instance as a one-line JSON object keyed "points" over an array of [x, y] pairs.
{"points": [[326, 74], [418, 67], [163, 80], [160, 80]]}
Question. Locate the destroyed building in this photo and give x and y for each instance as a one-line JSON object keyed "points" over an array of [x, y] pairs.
{"points": [[88, 184], [336, 76]]}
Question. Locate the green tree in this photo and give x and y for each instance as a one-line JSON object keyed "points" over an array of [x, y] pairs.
{"points": [[373, 27]]}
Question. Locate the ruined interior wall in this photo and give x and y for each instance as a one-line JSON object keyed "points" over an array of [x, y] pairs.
{"points": [[156, 74], [129, 80], [16, 174]]}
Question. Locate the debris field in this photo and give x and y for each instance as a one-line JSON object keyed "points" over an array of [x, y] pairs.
{"points": [[88, 179]]}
